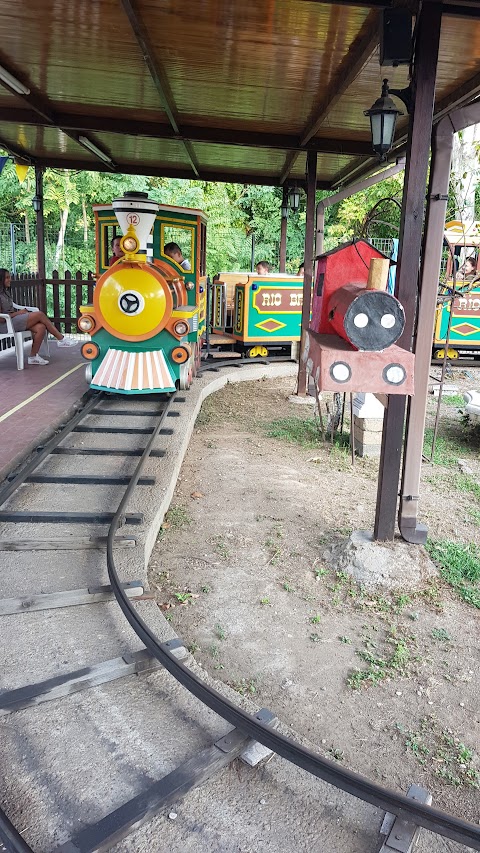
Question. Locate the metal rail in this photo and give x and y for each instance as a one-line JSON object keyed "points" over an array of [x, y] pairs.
{"points": [[352, 783]]}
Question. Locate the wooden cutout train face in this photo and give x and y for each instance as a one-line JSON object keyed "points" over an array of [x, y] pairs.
{"points": [[351, 341]]}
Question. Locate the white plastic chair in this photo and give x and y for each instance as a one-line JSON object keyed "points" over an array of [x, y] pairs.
{"points": [[20, 337]]}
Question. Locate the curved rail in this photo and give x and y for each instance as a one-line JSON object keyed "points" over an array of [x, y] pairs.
{"points": [[352, 783], [10, 837]]}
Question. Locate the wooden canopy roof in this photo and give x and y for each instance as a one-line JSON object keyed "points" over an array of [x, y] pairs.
{"points": [[216, 89]]}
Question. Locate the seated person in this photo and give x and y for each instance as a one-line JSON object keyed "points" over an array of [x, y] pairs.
{"points": [[35, 322], [301, 269], [116, 249], [468, 270], [263, 268], [173, 251]]}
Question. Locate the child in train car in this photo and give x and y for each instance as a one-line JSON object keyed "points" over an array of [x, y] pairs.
{"points": [[301, 269], [173, 251], [23, 320], [263, 268], [116, 249]]}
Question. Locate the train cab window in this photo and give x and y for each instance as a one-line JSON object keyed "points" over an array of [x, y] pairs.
{"points": [[108, 234], [203, 249], [179, 237]]}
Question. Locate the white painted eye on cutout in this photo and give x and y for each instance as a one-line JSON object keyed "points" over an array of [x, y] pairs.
{"points": [[340, 371], [360, 321], [388, 321], [394, 374]]}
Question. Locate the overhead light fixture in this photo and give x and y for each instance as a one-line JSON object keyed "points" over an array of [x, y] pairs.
{"points": [[383, 118], [285, 211], [37, 202], [12, 81], [83, 140], [294, 199]]}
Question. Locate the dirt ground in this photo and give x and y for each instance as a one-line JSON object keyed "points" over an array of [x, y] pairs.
{"points": [[386, 683]]}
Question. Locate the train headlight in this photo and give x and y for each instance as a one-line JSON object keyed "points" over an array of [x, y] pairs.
{"points": [[130, 244], [86, 323], [181, 328]]}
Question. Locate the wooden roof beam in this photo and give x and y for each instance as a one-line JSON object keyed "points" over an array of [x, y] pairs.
{"points": [[170, 172], [358, 55], [24, 156], [155, 130], [158, 75]]}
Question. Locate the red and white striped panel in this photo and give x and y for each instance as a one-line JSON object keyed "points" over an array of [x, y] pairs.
{"points": [[133, 371]]}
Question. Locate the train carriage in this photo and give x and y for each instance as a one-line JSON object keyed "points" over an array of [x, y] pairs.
{"points": [[257, 315], [463, 325]]}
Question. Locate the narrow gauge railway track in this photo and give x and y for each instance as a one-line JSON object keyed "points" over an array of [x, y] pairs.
{"points": [[411, 813]]}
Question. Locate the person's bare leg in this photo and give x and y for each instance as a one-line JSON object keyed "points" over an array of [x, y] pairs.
{"points": [[35, 317], [38, 334]]}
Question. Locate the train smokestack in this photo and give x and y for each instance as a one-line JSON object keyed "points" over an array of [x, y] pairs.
{"points": [[137, 209]]}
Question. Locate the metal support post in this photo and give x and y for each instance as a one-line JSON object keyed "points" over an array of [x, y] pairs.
{"points": [[425, 67], [40, 239], [308, 258], [283, 231]]}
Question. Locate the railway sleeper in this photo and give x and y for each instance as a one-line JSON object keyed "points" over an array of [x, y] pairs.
{"points": [[170, 789]]}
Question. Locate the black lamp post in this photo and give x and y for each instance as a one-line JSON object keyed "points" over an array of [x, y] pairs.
{"points": [[383, 118]]}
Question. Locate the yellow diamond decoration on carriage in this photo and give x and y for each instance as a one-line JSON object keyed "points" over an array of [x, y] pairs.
{"points": [[270, 325], [465, 329]]}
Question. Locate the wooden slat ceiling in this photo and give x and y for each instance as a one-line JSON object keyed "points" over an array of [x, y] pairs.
{"points": [[213, 90]]}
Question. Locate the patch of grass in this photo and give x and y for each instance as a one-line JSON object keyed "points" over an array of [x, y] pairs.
{"points": [[459, 566], [336, 754], [221, 547], [205, 589], [448, 757], [302, 431], [474, 515], [245, 686], [345, 640], [193, 647], [220, 632], [379, 668], [447, 450], [454, 400], [441, 634], [287, 586], [315, 619], [176, 518], [183, 597], [214, 651]]}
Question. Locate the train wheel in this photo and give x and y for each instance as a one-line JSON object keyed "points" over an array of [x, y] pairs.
{"points": [[256, 351], [451, 353], [186, 375]]}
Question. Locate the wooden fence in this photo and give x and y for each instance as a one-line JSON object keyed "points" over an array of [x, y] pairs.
{"points": [[59, 298]]}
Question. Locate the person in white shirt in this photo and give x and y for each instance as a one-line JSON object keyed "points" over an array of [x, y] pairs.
{"points": [[174, 252]]}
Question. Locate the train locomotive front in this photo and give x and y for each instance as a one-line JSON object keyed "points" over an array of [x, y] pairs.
{"points": [[143, 331]]}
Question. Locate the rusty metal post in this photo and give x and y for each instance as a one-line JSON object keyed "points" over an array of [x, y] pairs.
{"points": [[283, 231], [411, 227], [308, 274], [40, 239]]}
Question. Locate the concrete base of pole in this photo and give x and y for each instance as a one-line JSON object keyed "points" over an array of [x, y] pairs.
{"points": [[302, 401], [379, 565]]}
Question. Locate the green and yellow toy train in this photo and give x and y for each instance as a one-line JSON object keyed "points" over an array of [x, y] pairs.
{"points": [[148, 315]]}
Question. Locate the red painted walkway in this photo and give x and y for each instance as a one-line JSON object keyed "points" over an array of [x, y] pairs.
{"points": [[29, 409]]}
